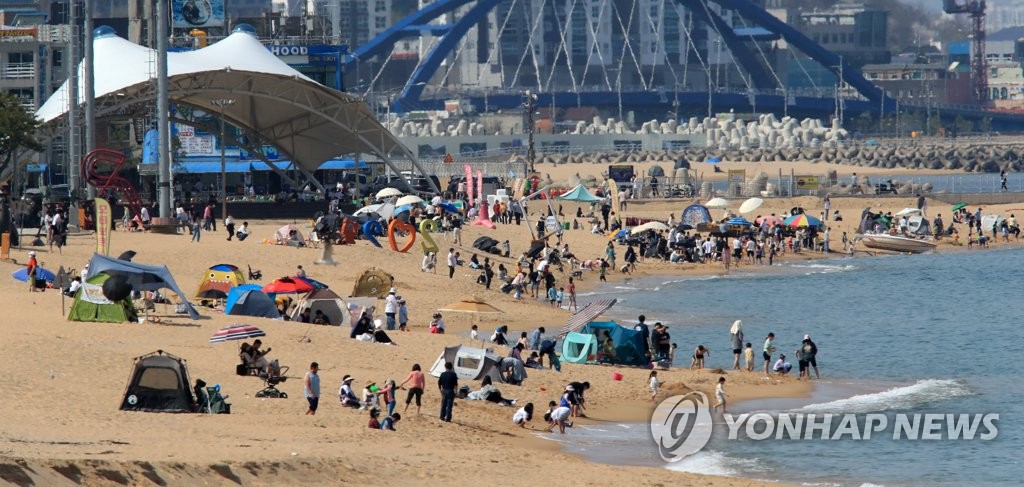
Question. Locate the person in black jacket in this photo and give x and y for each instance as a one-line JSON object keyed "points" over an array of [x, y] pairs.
{"points": [[447, 383]]}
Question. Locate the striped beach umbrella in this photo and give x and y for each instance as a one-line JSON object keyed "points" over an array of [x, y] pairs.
{"points": [[802, 221], [236, 332]]}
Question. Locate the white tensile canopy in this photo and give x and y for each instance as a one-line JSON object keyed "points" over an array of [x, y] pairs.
{"points": [[310, 123]]}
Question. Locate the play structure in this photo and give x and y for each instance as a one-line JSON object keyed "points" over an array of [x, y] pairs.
{"points": [[94, 165]]}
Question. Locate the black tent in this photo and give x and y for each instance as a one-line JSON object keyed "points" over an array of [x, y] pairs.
{"points": [[158, 384]]}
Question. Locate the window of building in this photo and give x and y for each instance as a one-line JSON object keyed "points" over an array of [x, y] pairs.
{"points": [[380, 22], [380, 7], [58, 58], [19, 57]]}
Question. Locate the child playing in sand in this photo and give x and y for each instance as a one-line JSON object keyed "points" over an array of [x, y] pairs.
{"points": [[655, 383], [720, 394], [557, 415], [552, 296], [389, 422], [374, 424], [748, 357], [697, 360], [523, 415], [559, 296], [474, 333]]}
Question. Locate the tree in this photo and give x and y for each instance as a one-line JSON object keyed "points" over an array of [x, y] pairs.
{"points": [[17, 130]]}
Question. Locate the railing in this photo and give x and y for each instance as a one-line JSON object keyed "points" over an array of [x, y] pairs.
{"points": [[17, 71]]}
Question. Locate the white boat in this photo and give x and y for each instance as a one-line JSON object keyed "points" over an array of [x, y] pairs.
{"points": [[897, 243]]}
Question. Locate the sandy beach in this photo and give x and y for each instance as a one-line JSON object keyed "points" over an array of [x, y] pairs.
{"points": [[65, 380]]}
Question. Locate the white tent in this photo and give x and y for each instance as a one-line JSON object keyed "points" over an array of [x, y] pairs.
{"points": [[308, 122]]}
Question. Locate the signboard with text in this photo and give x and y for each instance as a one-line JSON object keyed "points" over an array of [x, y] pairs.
{"points": [[186, 14]]}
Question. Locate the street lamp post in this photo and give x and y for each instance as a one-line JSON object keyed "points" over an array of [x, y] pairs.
{"points": [[221, 103], [531, 151]]}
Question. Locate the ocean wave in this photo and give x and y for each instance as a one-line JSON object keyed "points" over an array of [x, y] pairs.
{"points": [[898, 398], [818, 268], [690, 279], [711, 462]]}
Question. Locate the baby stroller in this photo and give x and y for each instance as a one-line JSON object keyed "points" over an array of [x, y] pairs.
{"points": [[270, 382], [254, 275]]}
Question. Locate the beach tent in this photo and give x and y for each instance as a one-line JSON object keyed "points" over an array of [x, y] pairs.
{"points": [[245, 301], [630, 348], [91, 305], [694, 215], [917, 225], [470, 363], [326, 301], [140, 276], [221, 277], [158, 384], [580, 194], [579, 348]]}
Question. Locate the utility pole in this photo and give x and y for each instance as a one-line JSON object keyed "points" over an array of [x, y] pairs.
{"points": [[221, 103], [162, 111], [531, 151]]}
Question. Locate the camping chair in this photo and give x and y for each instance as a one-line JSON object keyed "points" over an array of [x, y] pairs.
{"points": [[215, 403], [313, 241], [254, 275]]}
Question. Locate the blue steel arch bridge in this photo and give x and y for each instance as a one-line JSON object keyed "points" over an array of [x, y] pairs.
{"points": [[654, 57]]}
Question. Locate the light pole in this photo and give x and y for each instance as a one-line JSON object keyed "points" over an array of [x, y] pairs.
{"points": [[221, 103], [531, 152]]}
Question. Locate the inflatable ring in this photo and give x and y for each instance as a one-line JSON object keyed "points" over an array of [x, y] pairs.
{"points": [[426, 227], [371, 230], [349, 231], [401, 226]]}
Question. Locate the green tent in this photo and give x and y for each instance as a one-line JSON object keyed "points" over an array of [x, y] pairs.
{"points": [[91, 305], [580, 194], [579, 348]]}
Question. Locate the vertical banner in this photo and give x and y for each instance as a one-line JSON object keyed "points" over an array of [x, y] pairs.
{"points": [[613, 193], [103, 220], [480, 186], [469, 183]]}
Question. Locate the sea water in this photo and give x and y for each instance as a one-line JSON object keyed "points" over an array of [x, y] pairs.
{"points": [[930, 333]]}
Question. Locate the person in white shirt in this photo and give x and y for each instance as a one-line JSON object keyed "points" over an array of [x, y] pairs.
{"points": [[145, 216], [391, 307], [452, 262], [720, 394], [76, 284], [655, 384], [523, 415]]}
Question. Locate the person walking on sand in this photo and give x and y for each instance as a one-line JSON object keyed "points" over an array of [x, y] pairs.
{"points": [[452, 262], [447, 384], [655, 384], [312, 388], [720, 394], [736, 339], [571, 291], [769, 349], [229, 225], [417, 381]]}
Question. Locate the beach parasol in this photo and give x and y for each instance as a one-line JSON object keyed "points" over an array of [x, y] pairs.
{"points": [[738, 220], [402, 209], [236, 332], [770, 220], [408, 200], [713, 160], [287, 285], [751, 205], [41, 274], [386, 210], [450, 208], [802, 220], [717, 203], [656, 226], [312, 282], [472, 305], [908, 211], [959, 206], [388, 193]]}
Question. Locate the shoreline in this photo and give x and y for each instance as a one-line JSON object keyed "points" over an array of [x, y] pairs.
{"points": [[269, 441]]}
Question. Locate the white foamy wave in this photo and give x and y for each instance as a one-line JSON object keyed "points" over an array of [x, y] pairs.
{"points": [[710, 462], [818, 268], [690, 279], [899, 398]]}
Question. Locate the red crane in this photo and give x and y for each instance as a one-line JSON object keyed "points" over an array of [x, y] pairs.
{"points": [[979, 66]]}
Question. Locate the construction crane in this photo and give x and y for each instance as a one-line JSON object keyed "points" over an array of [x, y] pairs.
{"points": [[979, 67]]}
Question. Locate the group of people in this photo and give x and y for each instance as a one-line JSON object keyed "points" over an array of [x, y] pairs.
{"points": [[806, 355]]}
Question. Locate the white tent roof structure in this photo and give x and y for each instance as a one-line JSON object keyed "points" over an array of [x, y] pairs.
{"points": [[310, 123]]}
